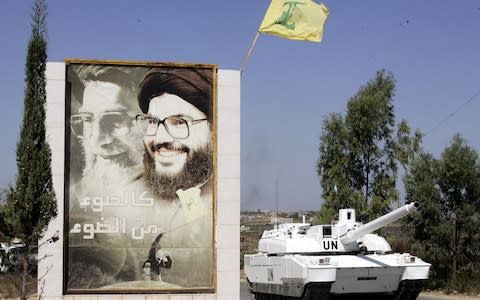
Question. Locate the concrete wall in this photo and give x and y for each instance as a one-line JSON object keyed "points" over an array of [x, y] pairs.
{"points": [[227, 231]]}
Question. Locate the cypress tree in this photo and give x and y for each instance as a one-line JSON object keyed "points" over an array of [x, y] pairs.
{"points": [[31, 204]]}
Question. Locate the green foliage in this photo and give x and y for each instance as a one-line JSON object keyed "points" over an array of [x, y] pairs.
{"points": [[360, 153], [31, 204], [445, 231], [3, 197], [6, 230]]}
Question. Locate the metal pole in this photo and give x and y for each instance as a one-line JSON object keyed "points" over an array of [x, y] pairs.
{"points": [[245, 60]]}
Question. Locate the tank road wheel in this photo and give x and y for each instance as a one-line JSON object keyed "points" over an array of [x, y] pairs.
{"points": [[318, 291], [262, 296], [408, 290], [258, 296]]}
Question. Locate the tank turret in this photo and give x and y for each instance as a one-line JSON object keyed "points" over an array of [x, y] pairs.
{"points": [[308, 262], [358, 232], [346, 235]]}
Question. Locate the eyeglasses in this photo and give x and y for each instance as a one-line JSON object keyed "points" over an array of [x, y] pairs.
{"points": [[114, 123], [177, 128]]}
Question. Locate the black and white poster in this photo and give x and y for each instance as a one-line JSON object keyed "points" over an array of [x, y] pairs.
{"points": [[140, 186]]}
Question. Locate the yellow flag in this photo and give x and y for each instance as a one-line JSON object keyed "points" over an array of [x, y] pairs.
{"points": [[295, 20]]}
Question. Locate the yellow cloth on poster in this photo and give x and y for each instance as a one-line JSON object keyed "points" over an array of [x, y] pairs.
{"points": [[295, 20], [193, 207]]}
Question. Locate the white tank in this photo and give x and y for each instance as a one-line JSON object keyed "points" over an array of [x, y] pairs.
{"points": [[301, 261]]}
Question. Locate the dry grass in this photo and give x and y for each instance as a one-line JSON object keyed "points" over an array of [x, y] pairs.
{"points": [[11, 283]]}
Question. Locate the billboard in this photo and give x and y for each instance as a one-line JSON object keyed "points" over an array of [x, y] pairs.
{"points": [[140, 177]]}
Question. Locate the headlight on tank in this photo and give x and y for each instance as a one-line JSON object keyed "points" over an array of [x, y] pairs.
{"points": [[324, 261], [408, 259]]}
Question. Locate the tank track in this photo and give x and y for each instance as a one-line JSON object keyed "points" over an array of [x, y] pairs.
{"points": [[409, 290], [316, 291]]}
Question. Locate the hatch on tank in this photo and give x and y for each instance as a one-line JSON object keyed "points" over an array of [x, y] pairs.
{"points": [[346, 216]]}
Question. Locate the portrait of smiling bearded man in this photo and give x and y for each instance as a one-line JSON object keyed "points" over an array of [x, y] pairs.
{"points": [[123, 212], [177, 122], [172, 164], [178, 130]]}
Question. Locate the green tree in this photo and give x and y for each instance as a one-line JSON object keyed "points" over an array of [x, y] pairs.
{"points": [[360, 153], [5, 227], [31, 204], [335, 169], [445, 231]]}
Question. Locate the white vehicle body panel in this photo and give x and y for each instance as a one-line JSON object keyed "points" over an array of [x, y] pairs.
{"points": [[341, 258]]}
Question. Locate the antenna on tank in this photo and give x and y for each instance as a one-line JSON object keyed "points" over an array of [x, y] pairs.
{"points": [[276, 202]]}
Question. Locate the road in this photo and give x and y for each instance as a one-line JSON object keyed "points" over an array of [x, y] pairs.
{"points": [[245, 295]]}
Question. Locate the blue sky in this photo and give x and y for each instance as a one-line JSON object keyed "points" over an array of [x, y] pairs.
{"points": [[432, 47]]}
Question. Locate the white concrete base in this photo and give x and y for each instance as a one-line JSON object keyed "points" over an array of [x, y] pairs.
{"points": [[227, 231]]}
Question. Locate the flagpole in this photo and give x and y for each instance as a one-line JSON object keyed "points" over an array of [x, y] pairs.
{"points": [[245, 60]]}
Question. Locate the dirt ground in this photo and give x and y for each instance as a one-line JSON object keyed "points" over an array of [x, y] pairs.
{"points": [[10, 286], [441, 295]]}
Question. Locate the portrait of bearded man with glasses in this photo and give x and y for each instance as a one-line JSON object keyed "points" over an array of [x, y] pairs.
{"points": [[105, 156], [105, 126], [141, 215], [177, 123]]}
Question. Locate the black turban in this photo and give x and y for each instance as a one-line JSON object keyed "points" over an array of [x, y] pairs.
{"points": [[193, 85]]}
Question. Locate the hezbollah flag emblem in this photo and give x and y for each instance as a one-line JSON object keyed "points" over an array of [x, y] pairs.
{"points": [[295, 20]]}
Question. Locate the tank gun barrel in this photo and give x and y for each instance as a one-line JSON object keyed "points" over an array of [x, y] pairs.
{"points": [[353, 235]]}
